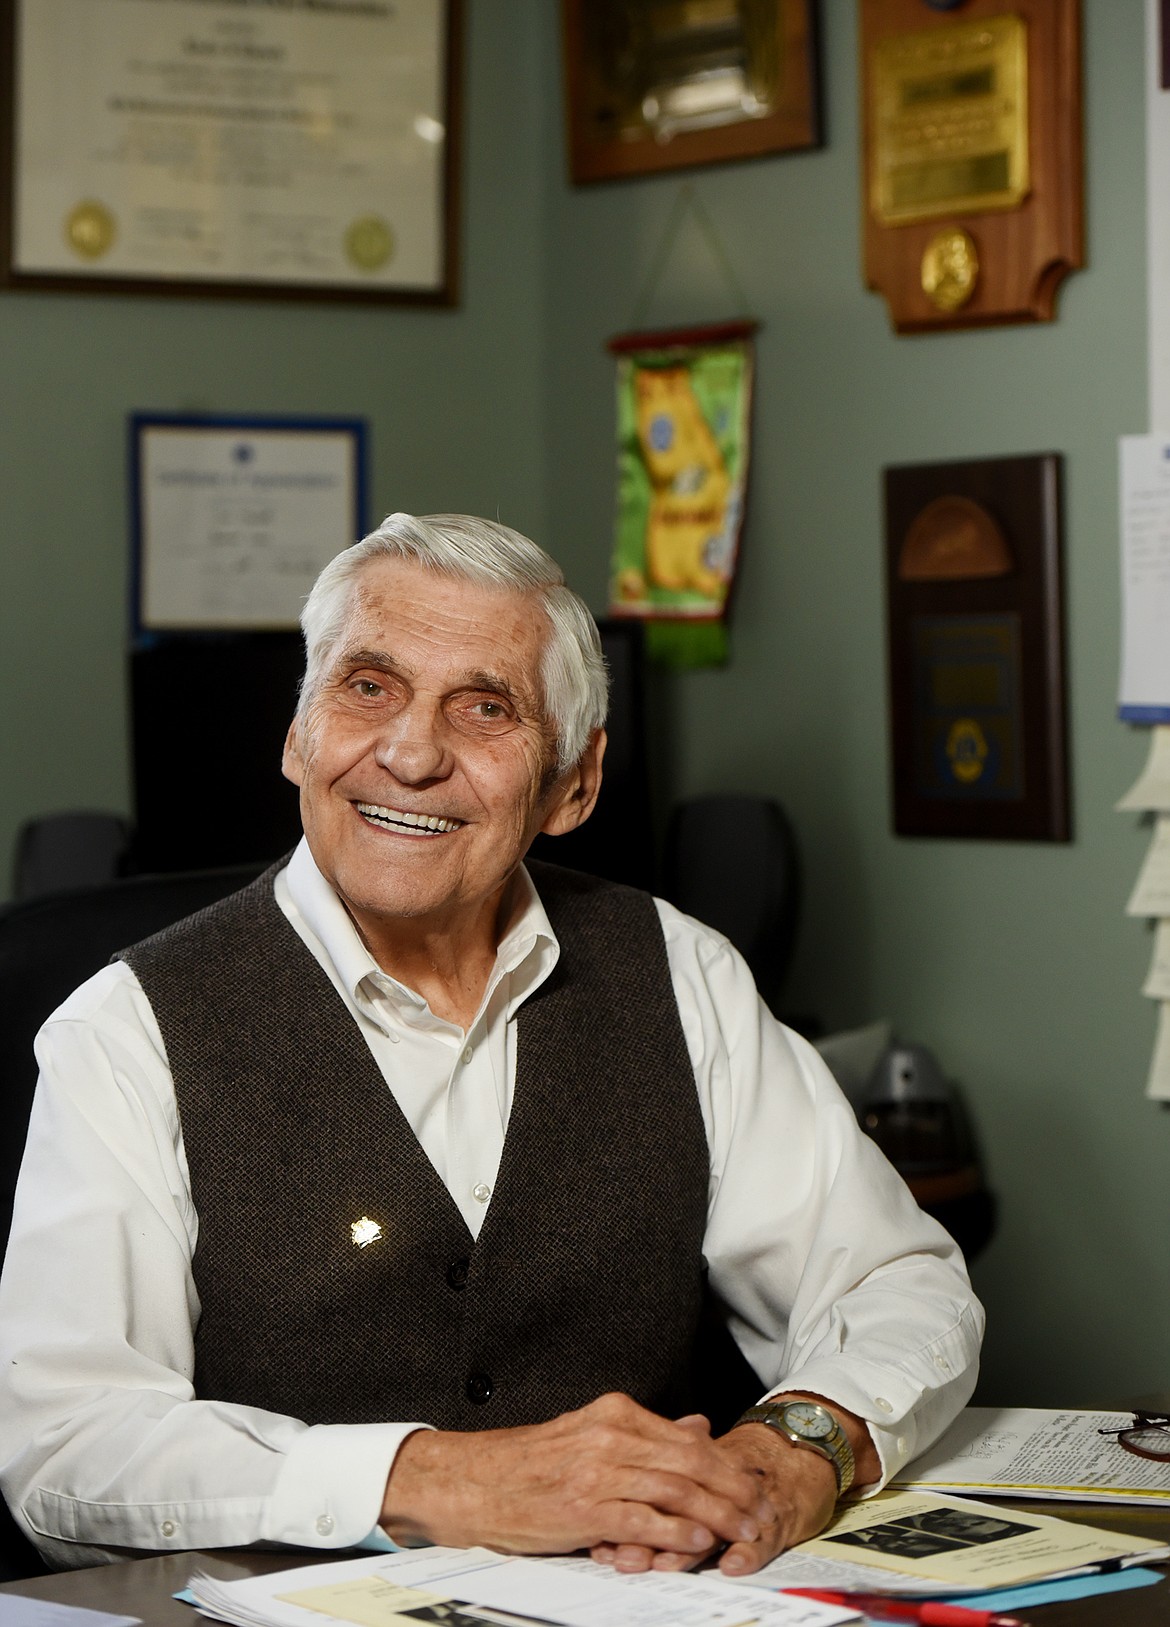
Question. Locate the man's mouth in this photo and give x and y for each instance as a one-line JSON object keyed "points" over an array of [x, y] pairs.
{"points": [[407, 824]]}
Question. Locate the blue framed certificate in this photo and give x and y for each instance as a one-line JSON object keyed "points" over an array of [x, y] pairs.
{"points": [[233, 518]]}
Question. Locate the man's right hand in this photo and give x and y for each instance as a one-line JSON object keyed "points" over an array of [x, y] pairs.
{"points": [[611, 1473]]}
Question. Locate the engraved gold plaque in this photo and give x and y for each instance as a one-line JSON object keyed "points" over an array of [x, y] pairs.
{"points": [[950, 268], [90, 230], [369, 243], [950, 120]]}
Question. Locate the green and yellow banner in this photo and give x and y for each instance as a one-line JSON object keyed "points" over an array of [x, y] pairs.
{"points": [[684, 433]]}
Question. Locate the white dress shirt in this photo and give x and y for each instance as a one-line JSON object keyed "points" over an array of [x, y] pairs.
{"points": [[836, 1283]]}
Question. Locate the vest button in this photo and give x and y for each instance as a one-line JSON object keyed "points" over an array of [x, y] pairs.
{"points": [[457, 1272], [479, 1388]]}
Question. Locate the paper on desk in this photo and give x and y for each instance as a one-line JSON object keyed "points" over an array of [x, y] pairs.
{"points": [[17, 1610], [1158, 1083], [1029, 1452], [1070, 1587], [466, 1586], [955, 1545], [1151, 893], [1150, 792], [1145, 579]]}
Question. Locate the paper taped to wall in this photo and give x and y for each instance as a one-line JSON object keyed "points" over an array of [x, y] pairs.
{"points": [[1150, 792], [1145, 579], [1151, 894]]}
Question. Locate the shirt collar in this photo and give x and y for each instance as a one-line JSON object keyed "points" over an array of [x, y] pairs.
{"points": [[529, 940]]}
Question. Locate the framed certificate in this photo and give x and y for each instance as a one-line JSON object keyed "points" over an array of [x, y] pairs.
{"points": [[203, 146], [235, 517]]}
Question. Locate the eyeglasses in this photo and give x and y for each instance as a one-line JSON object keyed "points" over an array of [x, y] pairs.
{"points": [[1147, 1437]]}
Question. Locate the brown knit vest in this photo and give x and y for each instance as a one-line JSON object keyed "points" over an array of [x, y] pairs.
{"points": [[587, 1275]]}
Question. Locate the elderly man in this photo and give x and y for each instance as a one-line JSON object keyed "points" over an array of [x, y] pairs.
{"points": [[387, 1198]]}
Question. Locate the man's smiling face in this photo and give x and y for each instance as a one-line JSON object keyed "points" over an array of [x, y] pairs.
{"points": [[424, 757]]}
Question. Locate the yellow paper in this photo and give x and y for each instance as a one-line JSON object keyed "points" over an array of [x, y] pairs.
{"points": [[958, 1543]]}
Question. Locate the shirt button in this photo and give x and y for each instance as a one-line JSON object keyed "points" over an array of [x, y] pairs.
{"points": [[942, 1363], [886, 1406], [467, 1053], [479, 1388], [482, 1192], [168, 1528], [457, 1272], [324, 1524], [903, 1445]]}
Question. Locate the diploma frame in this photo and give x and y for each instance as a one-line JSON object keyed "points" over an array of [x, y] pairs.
{"points": [[782, 34], [186, 280], [212, 511]]}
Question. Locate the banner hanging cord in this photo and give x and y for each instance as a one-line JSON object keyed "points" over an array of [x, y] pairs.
{"points": [[687, 199]]}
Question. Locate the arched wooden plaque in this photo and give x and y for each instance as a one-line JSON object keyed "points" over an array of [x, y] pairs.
{"points": [[972, 158]]}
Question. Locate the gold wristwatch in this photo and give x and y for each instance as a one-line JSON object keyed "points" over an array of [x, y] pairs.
{"points": [[807, 1423]]}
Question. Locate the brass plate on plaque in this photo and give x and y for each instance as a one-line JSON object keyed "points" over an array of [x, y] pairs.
{"points": [[971, 121], [950, 120]]}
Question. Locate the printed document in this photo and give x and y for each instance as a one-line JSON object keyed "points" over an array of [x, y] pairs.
{"points": [[471, 1587], [1028, 1452]]}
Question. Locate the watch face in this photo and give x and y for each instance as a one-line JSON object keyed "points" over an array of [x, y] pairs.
{"points": [[809, 1419]]}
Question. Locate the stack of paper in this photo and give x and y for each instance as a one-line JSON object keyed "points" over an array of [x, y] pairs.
{"points": [[909, 1543], [1151, 896], [1026, 1452], [916, 1544], [472, 1587]]}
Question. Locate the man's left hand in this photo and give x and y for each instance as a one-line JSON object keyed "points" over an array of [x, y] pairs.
{"points": [[799, 1484]]}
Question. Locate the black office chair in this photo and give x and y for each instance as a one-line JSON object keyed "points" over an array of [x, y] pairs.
{"points": [[731, 862], [60, 852], [47, 947]]}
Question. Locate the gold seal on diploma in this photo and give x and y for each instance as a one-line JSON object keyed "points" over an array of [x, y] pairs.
{"points": [[369, 243], [90, 230], [950, 268]]}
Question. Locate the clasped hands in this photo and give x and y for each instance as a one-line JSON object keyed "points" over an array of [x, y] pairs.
{"points": [[636, 1490]]}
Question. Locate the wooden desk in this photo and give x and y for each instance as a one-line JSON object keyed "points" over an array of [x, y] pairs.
{"points": [[143, 1587]]}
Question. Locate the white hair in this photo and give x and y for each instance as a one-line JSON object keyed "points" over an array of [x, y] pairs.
{"points": [[572, 667]]}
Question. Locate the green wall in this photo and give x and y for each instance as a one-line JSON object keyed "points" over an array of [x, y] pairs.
{"points": [[1014, 962]]}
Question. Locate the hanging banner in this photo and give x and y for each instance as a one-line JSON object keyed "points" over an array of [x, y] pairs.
{"points": [[684, 434]]}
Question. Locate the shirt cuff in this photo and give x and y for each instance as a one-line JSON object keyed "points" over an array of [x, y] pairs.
{"points": [[330, 1488]]}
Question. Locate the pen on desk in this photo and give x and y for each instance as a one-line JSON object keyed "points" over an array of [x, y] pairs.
{"points": [[929, 1612]]}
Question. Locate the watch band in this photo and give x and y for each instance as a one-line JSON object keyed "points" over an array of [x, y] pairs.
{"points": [[832, 1444]]}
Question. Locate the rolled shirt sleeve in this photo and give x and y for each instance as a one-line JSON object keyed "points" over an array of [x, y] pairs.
{"points": [[833, 1279]]}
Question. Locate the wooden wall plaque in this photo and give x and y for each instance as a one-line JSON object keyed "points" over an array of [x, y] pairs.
{"points": [[974, 623], [972, 158]]}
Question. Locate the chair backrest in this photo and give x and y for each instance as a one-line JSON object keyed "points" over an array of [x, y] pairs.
{"points": [[731, 862], [48, 946], [57, 853]]}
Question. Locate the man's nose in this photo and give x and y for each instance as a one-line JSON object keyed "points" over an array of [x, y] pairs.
{"points": [[413, 745]]}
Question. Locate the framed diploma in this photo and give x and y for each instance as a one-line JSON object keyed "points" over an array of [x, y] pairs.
{"points": [[974, 621], [245, 147], [234, 517], [653, 85]]}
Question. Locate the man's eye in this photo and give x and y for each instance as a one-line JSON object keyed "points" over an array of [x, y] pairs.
{"points": [[368, 688]]}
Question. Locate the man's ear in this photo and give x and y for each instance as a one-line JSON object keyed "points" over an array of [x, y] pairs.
{"points": [[292, 764], [574, 794]]}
